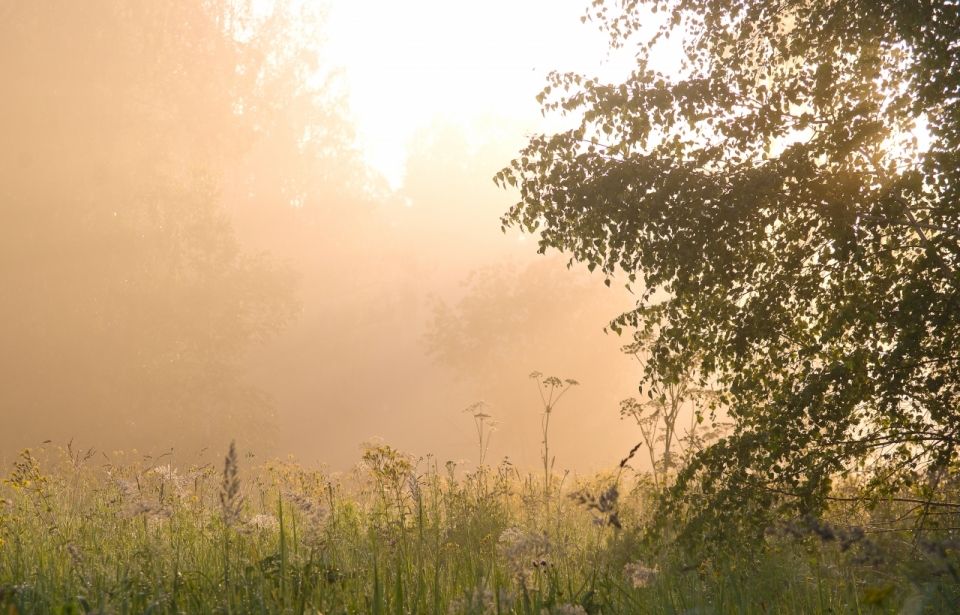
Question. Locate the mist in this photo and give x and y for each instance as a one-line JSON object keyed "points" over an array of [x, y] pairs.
{"points": [[196, 248]]}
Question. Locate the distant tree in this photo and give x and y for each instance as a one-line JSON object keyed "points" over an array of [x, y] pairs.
{"points": [[126, 301], [509, 318], [786, 228]]}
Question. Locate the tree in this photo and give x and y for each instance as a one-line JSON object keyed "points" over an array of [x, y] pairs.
{"points": [[127, 302], [507, 319], [788, 229]]}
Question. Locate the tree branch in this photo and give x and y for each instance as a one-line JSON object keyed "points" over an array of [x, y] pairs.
{"points": [[913, 223]]}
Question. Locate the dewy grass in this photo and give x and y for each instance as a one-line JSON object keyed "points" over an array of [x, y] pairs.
{"points": [[135, 535]]}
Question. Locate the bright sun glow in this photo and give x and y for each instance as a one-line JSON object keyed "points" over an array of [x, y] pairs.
{"points": [[408, 62]]}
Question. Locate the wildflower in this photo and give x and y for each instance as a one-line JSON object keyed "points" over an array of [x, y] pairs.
{"points": [[639, 575], [26, 474], [143, 508], [479, 602], [127, 488], [313, 512], [169, 474], [518, 547], [263, 522]]}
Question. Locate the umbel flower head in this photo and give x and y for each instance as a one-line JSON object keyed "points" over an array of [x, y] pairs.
{"points": [[522, 550], [639, 575]]}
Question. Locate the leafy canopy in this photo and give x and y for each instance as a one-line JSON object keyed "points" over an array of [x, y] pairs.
{"points": [[788, 229]]}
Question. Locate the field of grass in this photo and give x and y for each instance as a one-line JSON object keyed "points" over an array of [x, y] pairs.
{"points": [[118, 533]]}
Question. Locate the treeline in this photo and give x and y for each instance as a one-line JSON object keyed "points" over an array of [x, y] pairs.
{"points": [[193, 248], [131, 134]]}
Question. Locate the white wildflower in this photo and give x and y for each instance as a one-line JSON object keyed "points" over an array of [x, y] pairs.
{"points": [[127, 488], [639, 575], [170, 475], [263, 522], [142, 508], [313, 513], [523, 551]]}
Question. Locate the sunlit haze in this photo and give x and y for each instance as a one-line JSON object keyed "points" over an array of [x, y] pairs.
{"points": [[554, 307], [276, 223], [409, 62]]}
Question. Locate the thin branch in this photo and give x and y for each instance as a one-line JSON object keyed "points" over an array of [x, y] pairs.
{"points": [[913, 223], [920, 503], [861, 500]]}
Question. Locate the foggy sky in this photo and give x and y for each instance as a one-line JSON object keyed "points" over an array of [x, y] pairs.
{"points": [[194, 252]]}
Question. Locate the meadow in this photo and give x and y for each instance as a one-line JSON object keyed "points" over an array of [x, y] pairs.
{"points": [[97, 532]]}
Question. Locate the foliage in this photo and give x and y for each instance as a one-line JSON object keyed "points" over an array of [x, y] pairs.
{"points": [[788, 230], [134, 534]]}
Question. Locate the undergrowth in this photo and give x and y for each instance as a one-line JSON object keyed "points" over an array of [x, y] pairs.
{"points": [[100, 533]]}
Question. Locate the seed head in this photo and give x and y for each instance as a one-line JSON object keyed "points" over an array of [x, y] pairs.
{"points": [[231, 502]]}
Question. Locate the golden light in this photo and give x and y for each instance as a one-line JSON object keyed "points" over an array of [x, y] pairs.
{"points": [[408, 62]]}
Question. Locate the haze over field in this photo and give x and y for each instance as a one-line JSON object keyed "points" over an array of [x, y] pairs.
{"points": [[277, 224], [304, 306]]}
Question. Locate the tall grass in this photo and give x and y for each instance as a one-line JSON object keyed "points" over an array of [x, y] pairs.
{"points": [[126, 534]]}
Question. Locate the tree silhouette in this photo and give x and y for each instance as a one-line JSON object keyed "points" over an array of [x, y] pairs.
{"points": [[127, 301], [774, 206]]}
